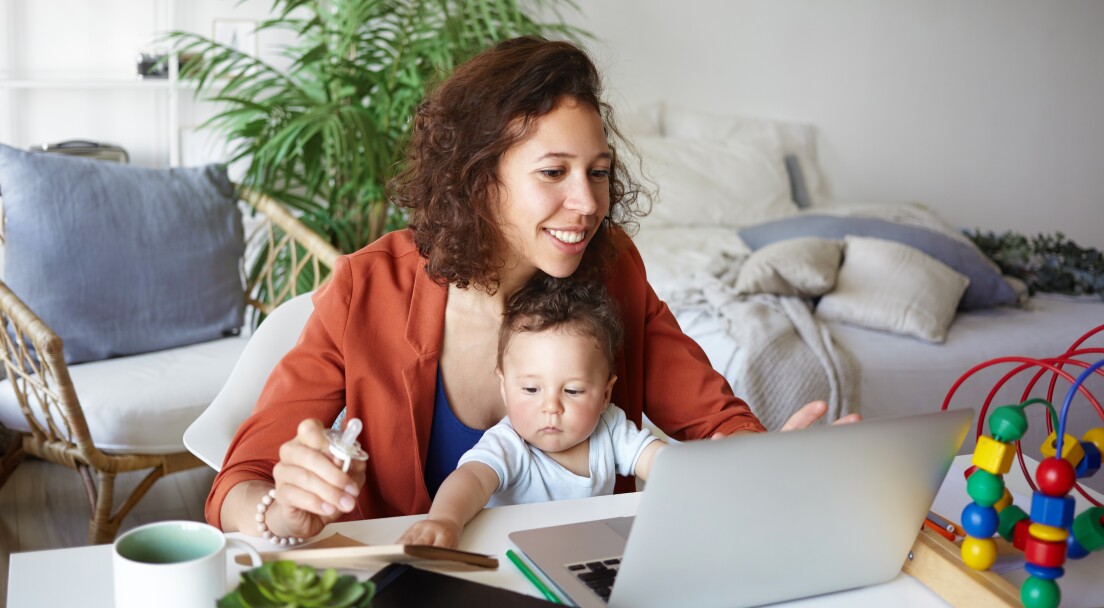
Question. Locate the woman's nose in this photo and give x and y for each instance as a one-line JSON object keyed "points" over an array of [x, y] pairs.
{"points": [[581, 197]]}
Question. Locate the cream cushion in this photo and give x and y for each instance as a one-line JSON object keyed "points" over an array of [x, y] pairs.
{"points": [[142, 404], [892, 287], [704, 184], [804, 267]]}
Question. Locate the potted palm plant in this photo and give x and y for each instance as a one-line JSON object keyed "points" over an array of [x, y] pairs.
{"points": [[323, 135]]}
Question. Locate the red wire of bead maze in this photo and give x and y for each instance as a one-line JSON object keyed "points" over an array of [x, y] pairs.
{"points": [[1051, 531]]}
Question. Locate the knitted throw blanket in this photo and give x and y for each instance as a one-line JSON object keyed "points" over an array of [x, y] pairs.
{"points": [[787, 358]]}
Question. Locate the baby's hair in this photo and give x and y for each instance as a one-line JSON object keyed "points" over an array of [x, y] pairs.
{"points": [[547, 302]]}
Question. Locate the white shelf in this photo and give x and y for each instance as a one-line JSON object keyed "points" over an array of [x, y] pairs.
{"points": [[83, 83]]}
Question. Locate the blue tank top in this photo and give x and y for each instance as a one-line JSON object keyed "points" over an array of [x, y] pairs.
{"points": [[448, 440]]}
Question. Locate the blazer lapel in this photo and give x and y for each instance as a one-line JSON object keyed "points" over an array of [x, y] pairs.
{"points": [[424, 332]]}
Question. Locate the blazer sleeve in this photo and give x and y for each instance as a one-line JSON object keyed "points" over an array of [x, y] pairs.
{"points": [[309, 382], [681, 392]]}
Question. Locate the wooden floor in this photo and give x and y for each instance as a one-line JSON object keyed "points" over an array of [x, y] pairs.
{"points": [[43, 506]]}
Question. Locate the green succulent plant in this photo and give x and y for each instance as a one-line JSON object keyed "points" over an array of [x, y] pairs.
{"points": [[285, 584]]}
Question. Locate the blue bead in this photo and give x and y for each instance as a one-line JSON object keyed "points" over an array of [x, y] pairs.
{"points": [[1074, 550], [1090, 462], [1053, 511], [979, 521], [1044, 572]]}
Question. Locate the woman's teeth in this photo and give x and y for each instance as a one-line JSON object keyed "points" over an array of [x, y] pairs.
{"points": [[567, 237]]}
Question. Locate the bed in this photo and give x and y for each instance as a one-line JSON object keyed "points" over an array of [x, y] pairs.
{"points": [[732, 189]]}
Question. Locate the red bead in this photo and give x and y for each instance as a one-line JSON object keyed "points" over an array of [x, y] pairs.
{"points": [[1055, 476], [1045, 553], [1020, 533], [970, 471]]}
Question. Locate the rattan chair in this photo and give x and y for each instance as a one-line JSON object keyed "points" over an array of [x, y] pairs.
{"points": [[57, 428]]}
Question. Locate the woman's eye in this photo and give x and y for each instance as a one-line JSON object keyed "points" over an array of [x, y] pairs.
{"points": [[600, 174], [553, 173]]}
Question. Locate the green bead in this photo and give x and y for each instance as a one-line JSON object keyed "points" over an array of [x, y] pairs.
{"points": [[985, 488], [1009, 517], [1040, 593], [1007, 423], [1088, 529]]}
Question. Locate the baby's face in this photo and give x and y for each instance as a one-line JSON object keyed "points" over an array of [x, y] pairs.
{"points": [[556, 384]]}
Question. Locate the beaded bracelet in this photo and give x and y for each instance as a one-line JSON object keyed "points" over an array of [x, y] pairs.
{"points": [[262, 508]]}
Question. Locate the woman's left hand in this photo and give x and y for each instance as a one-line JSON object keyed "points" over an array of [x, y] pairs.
{"points": [[806, 416], [810, 413]]}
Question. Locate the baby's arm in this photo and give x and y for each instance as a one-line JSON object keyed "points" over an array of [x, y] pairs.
{"points": [[644, 462], [462, 495]]}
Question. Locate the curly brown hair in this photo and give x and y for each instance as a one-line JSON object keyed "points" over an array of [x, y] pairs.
{"points": [[460, 132], [547, 302]]}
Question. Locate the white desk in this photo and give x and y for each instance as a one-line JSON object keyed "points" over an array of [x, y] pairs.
{"points": [[82, 576]]}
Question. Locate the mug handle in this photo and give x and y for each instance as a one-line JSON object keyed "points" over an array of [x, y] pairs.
{"points": [[254, 555]]}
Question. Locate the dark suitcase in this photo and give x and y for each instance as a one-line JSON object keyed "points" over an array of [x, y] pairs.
{"points": [[87, 149]]}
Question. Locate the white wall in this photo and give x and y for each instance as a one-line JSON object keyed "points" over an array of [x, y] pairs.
{"points": [[989, 111]]}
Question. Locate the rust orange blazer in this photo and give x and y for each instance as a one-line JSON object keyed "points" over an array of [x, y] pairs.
{"points": [[372, 346]]}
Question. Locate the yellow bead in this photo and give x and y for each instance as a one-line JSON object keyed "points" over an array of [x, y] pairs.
{"points": [[1095, 435], [1048, 533], [979, 553], [1004, 501], [993, 456], [1072, 451]]}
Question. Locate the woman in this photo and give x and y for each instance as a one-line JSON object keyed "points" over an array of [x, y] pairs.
{"points": [[510, 173]]}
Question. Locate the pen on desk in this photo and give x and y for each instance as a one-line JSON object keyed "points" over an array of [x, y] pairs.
{"points": [[940, 526], [945, 523], [548, 594]]}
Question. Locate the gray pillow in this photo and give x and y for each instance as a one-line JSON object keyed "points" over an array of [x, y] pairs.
{"points": [[798, 191], [987, 288], [121, 260]]}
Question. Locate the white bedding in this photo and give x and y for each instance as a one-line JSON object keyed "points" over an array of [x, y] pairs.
{"points": [[899, 375]]}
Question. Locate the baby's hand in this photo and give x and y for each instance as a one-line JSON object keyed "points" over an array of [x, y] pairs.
{"points": [[432, 532]]}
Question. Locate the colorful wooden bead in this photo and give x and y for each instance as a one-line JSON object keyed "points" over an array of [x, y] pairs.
{"points": [[1005, 500], [1088, 528], [1049, 533], [993, 456], [979, 553], [1074, 550], [1056, 511], [979, 521], [1044, 572], [1071, 447], [1008, 423], [969, 471], [1009, 517], [1095, 436], [1040, 593], [1045, 553], [1090, 464], [985, 488], [1055, 476], [1020, 533]]}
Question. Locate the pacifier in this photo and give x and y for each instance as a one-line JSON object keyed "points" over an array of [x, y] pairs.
{"points": [[344, 444]]}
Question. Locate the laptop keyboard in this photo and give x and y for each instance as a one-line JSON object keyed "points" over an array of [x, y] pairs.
{"points": [[597, 575]]}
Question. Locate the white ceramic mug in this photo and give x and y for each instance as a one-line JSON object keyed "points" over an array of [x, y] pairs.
{"points": [[173, 564]]}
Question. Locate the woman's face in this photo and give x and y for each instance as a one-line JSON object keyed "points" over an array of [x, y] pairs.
{"points": [[554, 193]]}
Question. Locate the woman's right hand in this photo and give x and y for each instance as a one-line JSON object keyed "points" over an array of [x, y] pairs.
{"points": [[311, 489]]}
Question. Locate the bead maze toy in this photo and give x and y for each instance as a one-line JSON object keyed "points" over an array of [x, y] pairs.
{"points": [[1051, 532]]}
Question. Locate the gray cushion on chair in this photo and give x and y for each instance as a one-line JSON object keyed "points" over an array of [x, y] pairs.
{"points": [[118, 259]]}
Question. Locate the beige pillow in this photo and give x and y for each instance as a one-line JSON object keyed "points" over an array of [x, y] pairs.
{"points": [[805, 266], [893, 287]]}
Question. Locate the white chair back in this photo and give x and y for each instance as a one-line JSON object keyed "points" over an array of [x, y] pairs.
{"points": [[210, 435]]}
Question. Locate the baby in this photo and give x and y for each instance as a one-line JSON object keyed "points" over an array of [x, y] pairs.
{"points": [[561, 437]]}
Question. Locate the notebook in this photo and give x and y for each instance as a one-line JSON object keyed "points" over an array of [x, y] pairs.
{"points": [[756, 519]]}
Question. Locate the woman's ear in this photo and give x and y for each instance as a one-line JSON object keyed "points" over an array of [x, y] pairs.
{"points": [[609, 386]]}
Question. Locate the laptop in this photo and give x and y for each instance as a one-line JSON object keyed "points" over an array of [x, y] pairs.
{"points": [[756, 519]]}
